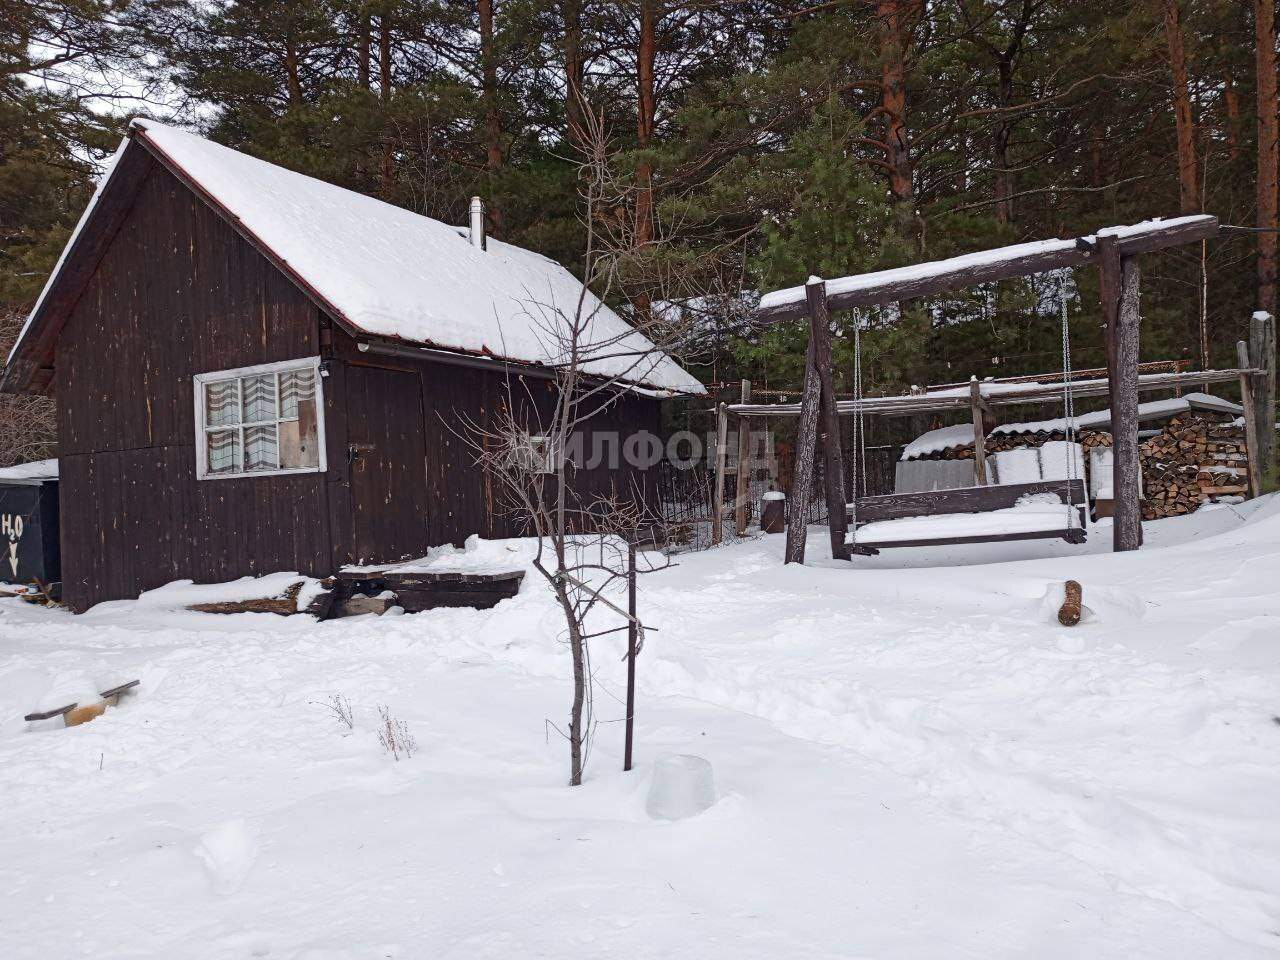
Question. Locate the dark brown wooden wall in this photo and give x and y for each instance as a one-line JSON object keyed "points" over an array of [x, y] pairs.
{"points": [[178, 292], [459, 403]]}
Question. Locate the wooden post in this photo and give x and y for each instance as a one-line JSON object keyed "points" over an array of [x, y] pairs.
{"points": [[806, 443], [976, 404], [833, 462], [1262, 353], [1120, 281], [631, 653], [1252, 439], [742, 500], [722, 454]]}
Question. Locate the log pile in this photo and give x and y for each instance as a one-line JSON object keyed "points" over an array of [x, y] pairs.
{"points": [[999, 442], [1194, 459]]}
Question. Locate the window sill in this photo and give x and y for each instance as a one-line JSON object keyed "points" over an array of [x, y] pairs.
{"points": [[259, 473]]}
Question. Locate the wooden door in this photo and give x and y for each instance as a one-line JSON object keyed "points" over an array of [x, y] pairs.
{"points": [[388, 464]]}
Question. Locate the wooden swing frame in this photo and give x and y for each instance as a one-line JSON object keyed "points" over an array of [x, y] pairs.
{"points": [[1114, 251]]}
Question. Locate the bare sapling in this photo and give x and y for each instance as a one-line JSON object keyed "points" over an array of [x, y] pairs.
{"points": [[526, 446]]}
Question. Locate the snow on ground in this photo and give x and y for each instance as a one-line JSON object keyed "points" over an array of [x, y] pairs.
{"points": [[912, 758]]}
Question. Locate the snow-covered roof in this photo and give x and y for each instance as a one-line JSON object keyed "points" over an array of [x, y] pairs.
{"points": [[390, 273], [935, 441], [960, 435], [26, 472]]}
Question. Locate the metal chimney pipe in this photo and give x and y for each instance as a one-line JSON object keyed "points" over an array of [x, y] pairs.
{"points": [[477, 223]]}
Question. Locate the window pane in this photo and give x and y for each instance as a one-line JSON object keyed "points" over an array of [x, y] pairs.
{"points": [[296, 386], [223, 451], [298, 443], [260, 448], [221, 403], [259, 398]]}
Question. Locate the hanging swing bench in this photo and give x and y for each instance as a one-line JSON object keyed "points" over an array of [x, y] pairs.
{"points": [[1036, 510], [984, 512], [993, 514]]}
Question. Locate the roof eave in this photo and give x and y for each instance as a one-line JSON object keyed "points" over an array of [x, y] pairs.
{"points": [[399, 346]]}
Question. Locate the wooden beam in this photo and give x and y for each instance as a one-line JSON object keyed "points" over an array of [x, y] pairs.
{"points": [[979, 434], [943, 276], [802, 472], [958, 401], [1252, 438], [833, 462], [742, 500], [1122, 334], [1176, 233], [722, 455]]}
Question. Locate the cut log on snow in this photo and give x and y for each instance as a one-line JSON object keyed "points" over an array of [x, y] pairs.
{"points": [[1069, 613], [284, 605]]}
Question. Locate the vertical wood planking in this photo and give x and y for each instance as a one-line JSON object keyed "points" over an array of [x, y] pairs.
{"points": [[177, 292]]}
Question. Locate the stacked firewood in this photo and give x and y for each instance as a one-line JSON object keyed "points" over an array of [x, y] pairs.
{"points": [[1088, 439], [998, 442], [1194, 459], [962, 451]]}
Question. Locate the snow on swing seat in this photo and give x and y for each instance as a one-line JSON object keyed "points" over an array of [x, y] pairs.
{"points": [[1033, 517], [1048, 519]]}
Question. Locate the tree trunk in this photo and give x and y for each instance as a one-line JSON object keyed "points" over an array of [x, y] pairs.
{"points": [[806, 449], [646, 111], [577, 646], [1096, 134], [896, 21], [1231, 98], [1006, 63], [292, 79], [1000, 152], [574, 69], [384, 93], [384, 57], [363, 52], [1265, 37], [1188, 186], [492, 120]]}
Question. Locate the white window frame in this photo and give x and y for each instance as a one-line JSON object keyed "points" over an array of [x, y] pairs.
{"points": [[533, 453], [542, 454], [284, 366]]}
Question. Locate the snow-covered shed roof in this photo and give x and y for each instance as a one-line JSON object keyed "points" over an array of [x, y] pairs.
{"points": [[388, 273], [36, 471]]}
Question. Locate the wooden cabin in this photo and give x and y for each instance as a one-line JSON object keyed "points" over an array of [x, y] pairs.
{"points": [[258, 371]]}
